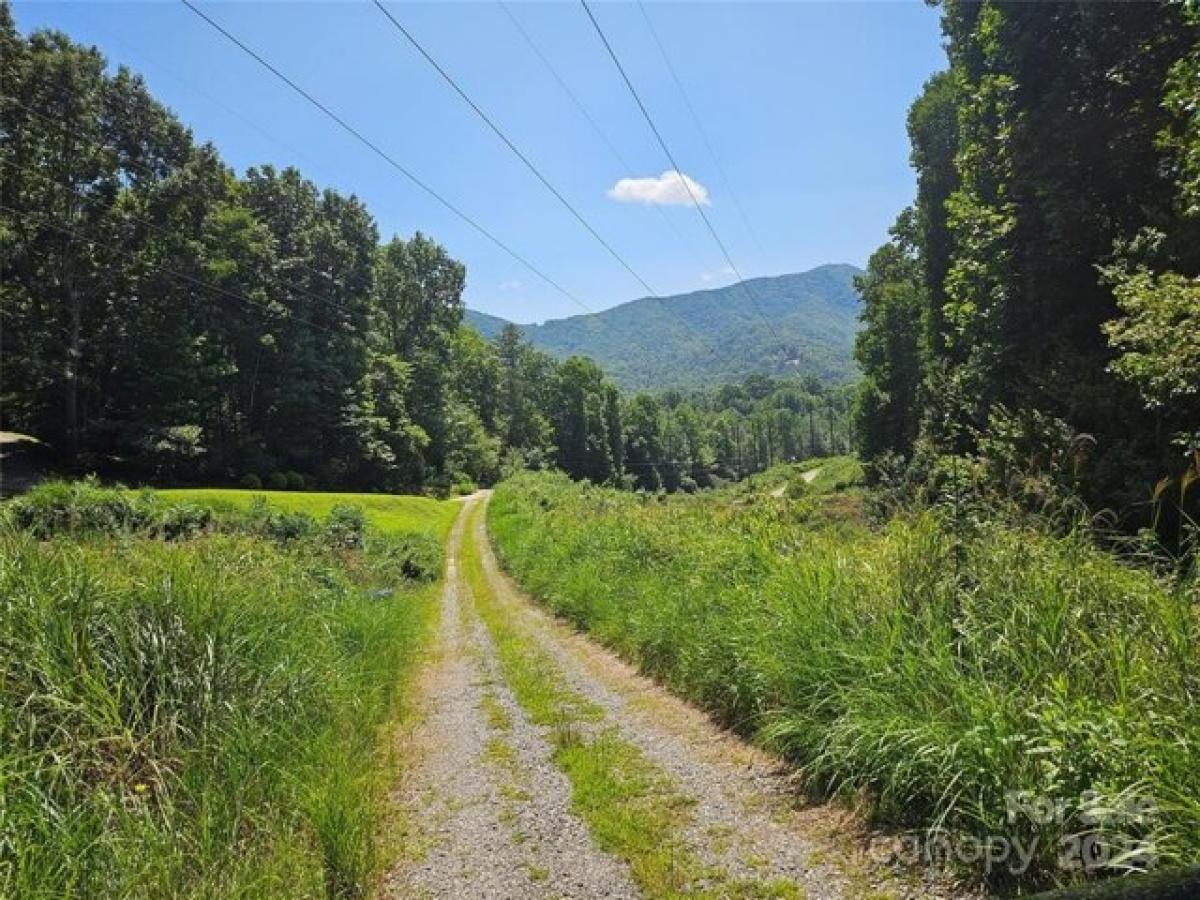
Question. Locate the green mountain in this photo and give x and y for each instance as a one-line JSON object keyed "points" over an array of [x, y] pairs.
{"points": [[712, 336]]}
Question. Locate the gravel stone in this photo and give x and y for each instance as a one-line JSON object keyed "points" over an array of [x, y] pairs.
{"points": [[492, 828]]}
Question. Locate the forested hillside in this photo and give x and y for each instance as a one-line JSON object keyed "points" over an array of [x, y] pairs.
{"points": [[714, 336], [1038, 306]]}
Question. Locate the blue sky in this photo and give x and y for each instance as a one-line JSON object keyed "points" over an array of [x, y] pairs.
{"points": [[803, 103]]}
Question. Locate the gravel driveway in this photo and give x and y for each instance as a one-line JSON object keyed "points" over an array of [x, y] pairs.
{"points": [[490, 814]]}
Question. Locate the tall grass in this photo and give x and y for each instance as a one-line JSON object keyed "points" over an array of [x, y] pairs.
{"points": [[194, 717], [953, 683]]}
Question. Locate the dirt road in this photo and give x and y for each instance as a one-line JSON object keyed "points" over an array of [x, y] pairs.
{"points": [[546, 767]]}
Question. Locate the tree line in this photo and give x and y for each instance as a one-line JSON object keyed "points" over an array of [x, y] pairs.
{"points": [[167, 318], [166, 315], [682, 441], [1038, 306], [537, 412]]}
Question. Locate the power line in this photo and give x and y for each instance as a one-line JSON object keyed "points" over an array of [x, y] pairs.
{"points": [[157, 173], [157, 63], [703, 132], [391, 161], [583, 111], [374, 148], [536, 172], [143, 168], [678, 171], [146, 168], [514, 148]]}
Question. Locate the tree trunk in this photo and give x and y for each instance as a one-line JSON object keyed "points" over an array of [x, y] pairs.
{"points": [[74, 357]]}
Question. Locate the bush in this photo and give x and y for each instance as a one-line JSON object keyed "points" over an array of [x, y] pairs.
{"points": [[410, 557], [250, 482], [346, 527], [295, 481], [439, 485], [86, 508], [285, 527], [77, 507], [276, 481], [796, 488], [184, 520]]}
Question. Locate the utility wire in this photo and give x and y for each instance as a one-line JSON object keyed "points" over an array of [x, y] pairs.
{"points": [[157, 173], [386, 157], [159, 176], [683, 178], [157, 63], [703, 132], [583, 111], [514, 148], [413, 178], [538, 174]]}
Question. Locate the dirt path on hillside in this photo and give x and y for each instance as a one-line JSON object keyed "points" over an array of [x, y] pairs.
{"points": [[809, 477], [494, 822]]}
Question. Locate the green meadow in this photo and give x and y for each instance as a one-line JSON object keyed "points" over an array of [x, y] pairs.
{"points": [[389, 513]]}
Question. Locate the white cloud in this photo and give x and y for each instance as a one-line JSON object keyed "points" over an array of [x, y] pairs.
{"points": [[511, 285], [668, 189], [720, 275]]}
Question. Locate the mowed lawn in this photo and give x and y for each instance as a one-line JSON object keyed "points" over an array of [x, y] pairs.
{"points": [[390, 513]]}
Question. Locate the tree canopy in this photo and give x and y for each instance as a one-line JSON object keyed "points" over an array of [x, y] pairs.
{"points": [[1050, 258]]}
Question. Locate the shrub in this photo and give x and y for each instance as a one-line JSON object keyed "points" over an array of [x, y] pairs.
{"points": [[84, 507], [439, 485], [346, 527], [295, 481], [410, 557], [250, 482], [289, 526], [184, 520], [796, 488], [77, 507], [276, 481]]}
